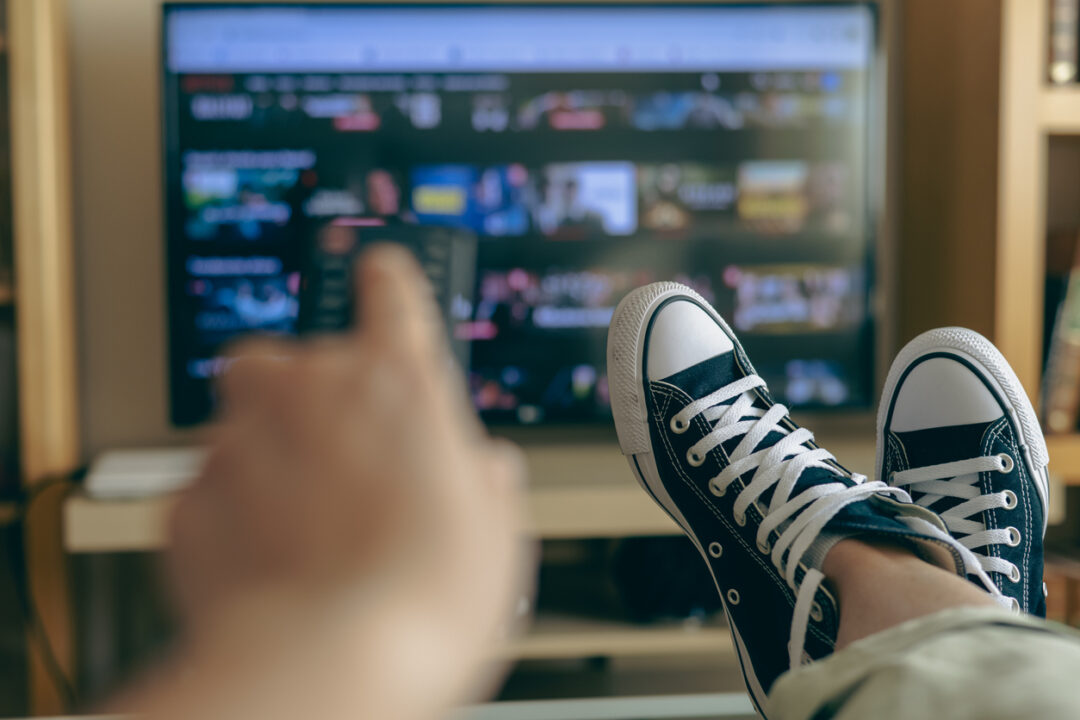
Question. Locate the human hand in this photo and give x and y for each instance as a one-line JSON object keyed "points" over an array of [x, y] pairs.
{"points": [[350, 492]]}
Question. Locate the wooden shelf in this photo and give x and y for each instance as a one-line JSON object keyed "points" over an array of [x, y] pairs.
{"points": [[563, 636], [558, 511], [97, 526], [1064, 457], [576, 491], [1060, 110]]}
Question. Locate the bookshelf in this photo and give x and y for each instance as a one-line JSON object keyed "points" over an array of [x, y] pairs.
{"points": [[1032, 112], [598, 509], [1059, 110], [576, 492], [601, 510], [1065, 457], [609, 507]]}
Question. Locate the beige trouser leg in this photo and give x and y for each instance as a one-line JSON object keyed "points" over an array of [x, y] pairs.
{"points": [[978, 663]]}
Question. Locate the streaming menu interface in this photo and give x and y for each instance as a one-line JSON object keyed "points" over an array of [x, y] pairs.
{"points": [[590, 150]]}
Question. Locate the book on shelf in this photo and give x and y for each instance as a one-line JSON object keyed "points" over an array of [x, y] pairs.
{"points": [[1061, 381], [1064, 30]]}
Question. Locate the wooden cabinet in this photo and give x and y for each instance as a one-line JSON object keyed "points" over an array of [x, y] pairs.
{"points": [[968, 195], [1032, 112]]}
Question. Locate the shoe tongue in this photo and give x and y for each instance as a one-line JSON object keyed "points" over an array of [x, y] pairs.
{"points": [[706, 377], [941, 445], [944, 444], [865, 518]]}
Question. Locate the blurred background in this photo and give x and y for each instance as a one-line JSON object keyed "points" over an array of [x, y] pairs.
{"points": [[835, 177]]}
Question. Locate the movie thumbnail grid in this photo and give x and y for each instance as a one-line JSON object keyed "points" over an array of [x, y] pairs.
{"points": [[254, 196], [229, 296], [532, 393], [524, 323], [244, 195], [801, 299]]}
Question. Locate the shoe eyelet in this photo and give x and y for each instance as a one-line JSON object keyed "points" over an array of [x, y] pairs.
{"points": [[1014, 605], [733, 596], [716, 489], [1010, 499], [716, 549], [816, 613], [740, 520], [678, 426], [1014, 536], [1007, 463], [694, 459], [764, 547], [1014, 574]]}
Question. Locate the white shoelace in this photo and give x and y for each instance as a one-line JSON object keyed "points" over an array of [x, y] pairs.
{"points": [[959, 480], [779, 467]]}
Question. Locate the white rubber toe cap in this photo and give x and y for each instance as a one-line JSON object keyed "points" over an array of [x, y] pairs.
{"points": [[941, 392], [681, 336]]}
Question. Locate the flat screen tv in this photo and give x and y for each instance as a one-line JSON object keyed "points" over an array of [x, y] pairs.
{"points": [[590, 148]]}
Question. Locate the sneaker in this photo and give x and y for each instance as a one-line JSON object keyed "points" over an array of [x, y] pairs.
{"points": [[957, 431], [759, 499]]}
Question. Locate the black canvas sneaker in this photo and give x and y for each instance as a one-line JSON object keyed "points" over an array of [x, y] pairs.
{"points": [[957, 431], [760, 500]]}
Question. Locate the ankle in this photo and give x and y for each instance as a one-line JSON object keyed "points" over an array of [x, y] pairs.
{"points": [[851, 559], [881, 584]]}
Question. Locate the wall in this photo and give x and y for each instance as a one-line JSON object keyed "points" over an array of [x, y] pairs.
{"points": [[948, 176], [118, 223]]}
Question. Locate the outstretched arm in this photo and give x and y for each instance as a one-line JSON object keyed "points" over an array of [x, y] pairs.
{"points": [[353, 547]]}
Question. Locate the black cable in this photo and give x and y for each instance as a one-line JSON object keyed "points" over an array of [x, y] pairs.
{"points": [[24, 589]]}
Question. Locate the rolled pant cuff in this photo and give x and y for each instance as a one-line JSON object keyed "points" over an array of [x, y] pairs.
{"points": [[819, 689]]}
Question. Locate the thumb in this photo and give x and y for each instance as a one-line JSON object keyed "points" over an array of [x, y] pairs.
{"points": [[395, 303]]}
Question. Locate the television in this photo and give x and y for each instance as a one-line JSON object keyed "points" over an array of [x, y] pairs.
{"points": [[590, 149]]}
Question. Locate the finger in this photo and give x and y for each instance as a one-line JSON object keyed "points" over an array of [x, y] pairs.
{"points": [[260, 347], [503, 477], [506, 463], [396, 306], [460, 403], [252, 366], [504, 486]]}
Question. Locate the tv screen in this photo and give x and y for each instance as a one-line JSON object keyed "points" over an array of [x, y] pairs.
{"points": [[591, 149]]}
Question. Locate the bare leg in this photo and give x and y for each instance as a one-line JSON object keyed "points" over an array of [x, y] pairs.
{"points": [[880, 586]]}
